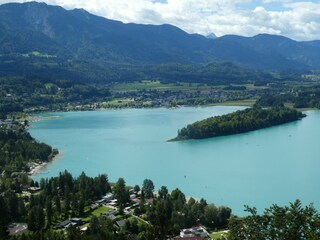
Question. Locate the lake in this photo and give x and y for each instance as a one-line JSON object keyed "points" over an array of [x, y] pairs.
{"points": [[274, 165]]}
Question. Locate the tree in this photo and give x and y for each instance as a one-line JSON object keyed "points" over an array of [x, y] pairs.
{"points": [[161, 220], [49, 211], [281, 223], [132, 225], [178, 199], [81, 206], [12, 202], [210, 215], [147, 188], [3, 219], [36, 219], [163, 192], [57, 204], [147, 233], [136, 188], [121, 193], [101, 184], [94, 224], [224, 214], [74, 205], [73, 233]]}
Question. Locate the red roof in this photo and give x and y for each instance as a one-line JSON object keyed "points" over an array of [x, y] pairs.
{"points": [[136, 200]]}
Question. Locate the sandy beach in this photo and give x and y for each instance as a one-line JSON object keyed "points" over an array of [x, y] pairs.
{"points": [[37, 169]]}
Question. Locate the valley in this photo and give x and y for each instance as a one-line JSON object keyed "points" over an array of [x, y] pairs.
{"points": [[87, 104]]}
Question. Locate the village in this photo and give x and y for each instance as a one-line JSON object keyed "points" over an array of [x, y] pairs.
{"points": [[107, 207]]}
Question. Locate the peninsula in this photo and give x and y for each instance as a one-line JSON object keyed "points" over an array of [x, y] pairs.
{"points": [[238, 122]]}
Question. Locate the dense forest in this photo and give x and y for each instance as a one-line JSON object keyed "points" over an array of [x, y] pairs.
{"points": [[90, 72], [59, 197], [303, 97], [238, 122], [18, 149]]}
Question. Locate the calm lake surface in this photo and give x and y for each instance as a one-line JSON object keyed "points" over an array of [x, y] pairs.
{"points": [[273, 165]]}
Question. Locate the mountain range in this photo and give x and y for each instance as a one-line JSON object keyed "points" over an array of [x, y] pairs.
{"points": [[60, 37]]}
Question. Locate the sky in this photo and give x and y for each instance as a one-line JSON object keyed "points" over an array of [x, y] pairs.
{"points": [[296, 19]]}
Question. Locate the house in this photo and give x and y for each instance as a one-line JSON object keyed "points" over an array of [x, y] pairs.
{"points": [[136, 200], [110, 212], [67, 223], [194, 232], [34, 189], [99, 201], [17, 228], [135, 205], [108, 197], [120, 224], [186, 233], [112, 217], [133, 196], [113, 202], [105, 199], [94, 206], [63, 225], [84, 229], [127, 210], [77, 221], [200, 231]]}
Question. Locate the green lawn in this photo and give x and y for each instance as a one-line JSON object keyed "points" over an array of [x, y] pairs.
{"points": [[218, 235], [97, 212], [118, 102], [157, 85], [246, 102]]}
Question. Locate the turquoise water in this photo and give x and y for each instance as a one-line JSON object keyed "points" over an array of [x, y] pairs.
{"points": [[274, 165]]}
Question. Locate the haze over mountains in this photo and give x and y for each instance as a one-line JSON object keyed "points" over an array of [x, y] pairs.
{"points": [[76, 35]]}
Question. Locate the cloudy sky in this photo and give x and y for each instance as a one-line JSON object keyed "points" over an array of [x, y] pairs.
{"points": [[297, 19]]}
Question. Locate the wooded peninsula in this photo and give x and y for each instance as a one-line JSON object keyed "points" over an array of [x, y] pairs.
{"points": [[238, 122]]}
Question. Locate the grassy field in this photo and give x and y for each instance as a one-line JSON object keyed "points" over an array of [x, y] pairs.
{"points": [[218, 235], [181, 86], [157, 85], [97, 212], [246, 102], [118, 102]]}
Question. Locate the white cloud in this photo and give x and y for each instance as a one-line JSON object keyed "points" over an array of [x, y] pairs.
{"points": [[300, 20]]}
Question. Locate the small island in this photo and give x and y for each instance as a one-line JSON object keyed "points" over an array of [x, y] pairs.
{"points": [[238, 122]]}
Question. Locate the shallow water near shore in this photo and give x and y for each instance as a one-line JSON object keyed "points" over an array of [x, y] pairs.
{"points": [[273, 165]]}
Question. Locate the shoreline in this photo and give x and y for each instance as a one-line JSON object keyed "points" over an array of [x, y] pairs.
{"points": [[37, 169], [244, 103], [239, 103]]}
